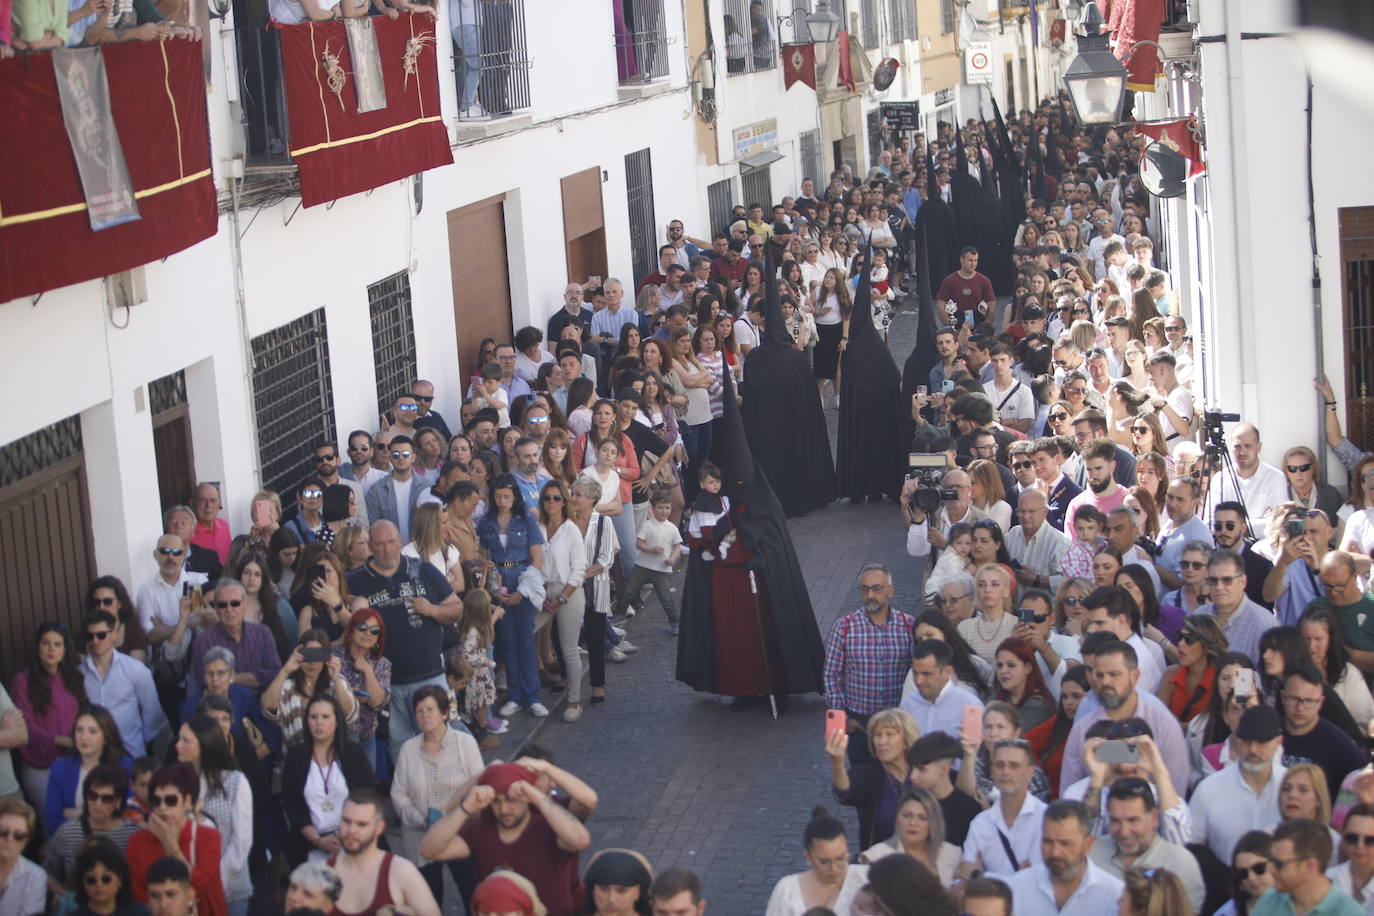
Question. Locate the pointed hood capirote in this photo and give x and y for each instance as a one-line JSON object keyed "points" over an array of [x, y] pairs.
{"points": [[783, 418], [870, 457], [796, 649]]}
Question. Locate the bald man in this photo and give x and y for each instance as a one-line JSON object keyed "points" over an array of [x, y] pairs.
{"points": [[1036, 547], [924, 534], [415, 601], [1262, 486], [1344, 597]]}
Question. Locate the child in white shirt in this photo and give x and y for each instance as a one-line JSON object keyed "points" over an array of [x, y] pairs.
{"points": [[660, 546], [491, 394]]}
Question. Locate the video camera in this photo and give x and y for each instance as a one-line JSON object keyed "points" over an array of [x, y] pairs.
{"points": [[1214, 434], [928, 470]]}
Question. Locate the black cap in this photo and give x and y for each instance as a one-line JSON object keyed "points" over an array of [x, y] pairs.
{"points": [[1032, 313], [1259, 723], [781, 228]]}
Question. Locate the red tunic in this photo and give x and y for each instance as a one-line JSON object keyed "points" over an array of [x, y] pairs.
{"points": [[145, 849], [739, 651]]}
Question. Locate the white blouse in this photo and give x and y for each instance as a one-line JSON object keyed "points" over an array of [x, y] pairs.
{"points": [[787, 899], [326, 790], [565, 557]]}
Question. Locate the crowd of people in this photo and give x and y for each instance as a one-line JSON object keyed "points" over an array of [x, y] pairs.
{"points": [[1135, 678]]}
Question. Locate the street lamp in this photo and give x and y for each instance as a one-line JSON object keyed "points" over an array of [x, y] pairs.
{"points": [[1096, 81], [822, 25]]}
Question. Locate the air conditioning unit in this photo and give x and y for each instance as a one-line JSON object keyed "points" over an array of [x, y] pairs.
{"points": [[126, 288]]}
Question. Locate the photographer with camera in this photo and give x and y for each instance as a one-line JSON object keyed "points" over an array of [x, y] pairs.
{"points": [[931, 503], [1258, 486]]}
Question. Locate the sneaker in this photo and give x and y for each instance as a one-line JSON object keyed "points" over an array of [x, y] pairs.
{"points": [[537, 709], [627, 647], [619, 631], [615, 655], [572, 713], [510, 709], [497, 726]]}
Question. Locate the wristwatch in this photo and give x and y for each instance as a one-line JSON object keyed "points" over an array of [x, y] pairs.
{"points": [[562, 599]]}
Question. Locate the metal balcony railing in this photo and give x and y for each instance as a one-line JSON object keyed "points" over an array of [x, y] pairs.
{"points": [[262, 97], [491, 58], [641, 40], [751, 41]]}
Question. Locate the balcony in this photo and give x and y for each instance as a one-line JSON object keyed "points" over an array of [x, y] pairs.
{"points": [[491, 59], [262, 99], [751, 41], [641, 46]]}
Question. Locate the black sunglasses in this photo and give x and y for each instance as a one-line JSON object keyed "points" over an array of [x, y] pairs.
{"points": [[170, 551], [1299, 468], [224, 604], [97, 636], [1259, 868], [1224, 526], [90, 880], [321, 459]]}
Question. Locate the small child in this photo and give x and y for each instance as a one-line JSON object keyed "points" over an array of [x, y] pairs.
{"points": [[1088, 524], [478, 629], [459, 674], [881, 292], [660, 544], [708, 509], [954, 558], [491, 394], [140, 806]]}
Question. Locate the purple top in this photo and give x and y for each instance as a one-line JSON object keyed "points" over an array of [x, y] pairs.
{"points": [[60, 718], [1171, 621]]}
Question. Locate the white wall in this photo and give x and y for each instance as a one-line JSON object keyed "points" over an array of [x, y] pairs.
{"points": [[295, 260]]}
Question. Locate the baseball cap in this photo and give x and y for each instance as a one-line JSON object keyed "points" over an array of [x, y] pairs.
{"points": [[1259, 723]]}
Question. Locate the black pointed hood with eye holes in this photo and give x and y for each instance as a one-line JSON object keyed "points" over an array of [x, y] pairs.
{"points": [[791, 632], [783, 418], [870, 460]]}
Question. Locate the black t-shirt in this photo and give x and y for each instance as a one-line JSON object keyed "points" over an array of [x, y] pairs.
{"points": [[644, 440], [1329, 748], [959, 809], [414, 643]]}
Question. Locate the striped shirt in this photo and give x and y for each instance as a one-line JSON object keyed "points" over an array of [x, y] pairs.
{"points": [[865, 663], [59, 854]]}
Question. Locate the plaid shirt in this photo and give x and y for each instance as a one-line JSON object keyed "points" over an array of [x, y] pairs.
{"points": [[865, 664], [1077, 562]]}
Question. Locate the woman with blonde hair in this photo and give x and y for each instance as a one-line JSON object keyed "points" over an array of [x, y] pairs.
{"points": [[993, 620], [832, 310], [919, 833], [988, 493], [351, 547], [873, 786], [1304, 794], [1073, 239], [1153, 892], [429, 542], [1084, 335]]}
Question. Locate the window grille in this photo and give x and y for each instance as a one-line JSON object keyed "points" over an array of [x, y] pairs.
{"points": [[167, 392], [720, 202], [393, 337], [491, 59], [757, 186], [40, 450], [293, 400], [751, 36], [641, 42], [639, 191]]}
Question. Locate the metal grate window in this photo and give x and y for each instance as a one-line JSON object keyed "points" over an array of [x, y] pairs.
{"points": [[751, 36], [393, 337], [811, 159], [262, 92], [641, 41], [167, 392], [946, 16], [491, 59], [757, 186], [720, 201], [40, 450], [869, 25], [293, 399], [901, 19], [639, 191]]}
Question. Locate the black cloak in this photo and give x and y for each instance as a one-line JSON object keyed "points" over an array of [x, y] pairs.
{"points": [[923, 358], [793, 638], [935, 225], [783, 418], [872, 457]]}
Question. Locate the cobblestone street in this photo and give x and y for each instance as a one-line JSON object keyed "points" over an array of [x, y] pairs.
{"points": [[685, 779]]}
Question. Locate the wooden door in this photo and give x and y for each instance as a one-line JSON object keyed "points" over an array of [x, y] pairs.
{"points": [[47, 558], [176, 471], [481, 278], [584, 225]]}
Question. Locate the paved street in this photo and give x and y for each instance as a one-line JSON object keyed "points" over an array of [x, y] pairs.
{"points": [[687, 780]]}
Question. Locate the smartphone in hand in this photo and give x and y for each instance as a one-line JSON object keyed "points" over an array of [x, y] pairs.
{"points": [[834, 722], [972, 728]]}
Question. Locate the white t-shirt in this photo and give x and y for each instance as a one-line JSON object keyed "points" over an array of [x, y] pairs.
{"points": [[402, 490], [657, 534], [746, 334], [1017, 402]]}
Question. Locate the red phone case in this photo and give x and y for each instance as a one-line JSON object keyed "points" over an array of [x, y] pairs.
{"points": [[972, 729], [834, 722]]}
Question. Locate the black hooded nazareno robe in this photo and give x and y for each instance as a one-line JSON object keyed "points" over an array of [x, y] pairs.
{"points": [[716, 597], [924, 357], [871, 455], [783, 418]]}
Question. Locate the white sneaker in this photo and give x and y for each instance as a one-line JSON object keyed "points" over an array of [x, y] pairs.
{"points": [[572, 713], [615, 655], [618, 631], [508, 710], [627, 647], [538, 709]]}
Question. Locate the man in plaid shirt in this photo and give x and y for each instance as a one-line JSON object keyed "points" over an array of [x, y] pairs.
{"points": [[867, 655]]}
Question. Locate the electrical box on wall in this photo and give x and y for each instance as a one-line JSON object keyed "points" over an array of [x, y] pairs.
{"points": [[126, 288]]}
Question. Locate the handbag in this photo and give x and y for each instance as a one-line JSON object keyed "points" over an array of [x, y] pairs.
{"points": [[589, 587], [665, 477]]}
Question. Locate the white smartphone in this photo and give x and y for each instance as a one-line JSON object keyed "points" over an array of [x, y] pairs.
{"points": [[1243, 682]]}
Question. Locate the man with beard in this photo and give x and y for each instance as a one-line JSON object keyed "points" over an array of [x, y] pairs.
{"points": [[1230, 533], [371, 878], [1114, 676], [1244, 796], [1103, 492], [1067, 883], [1135, 842], [504, 821]]}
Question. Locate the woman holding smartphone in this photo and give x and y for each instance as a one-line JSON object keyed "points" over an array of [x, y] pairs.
{"points": [[312, 670]]}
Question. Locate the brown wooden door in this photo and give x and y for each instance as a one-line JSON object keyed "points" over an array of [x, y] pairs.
{"points": [[584, 224], [481, 278], [176, 471], [47, 558]]}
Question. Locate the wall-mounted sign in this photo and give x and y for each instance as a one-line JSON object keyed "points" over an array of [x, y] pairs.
{"points": [[901, 115], [758, 137], [944, 97], [978, 63]]}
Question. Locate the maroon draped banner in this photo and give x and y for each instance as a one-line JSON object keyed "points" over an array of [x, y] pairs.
{"points": [[339, 151], [157, 101]]}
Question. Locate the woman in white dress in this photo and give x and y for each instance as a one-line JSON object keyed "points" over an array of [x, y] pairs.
{"points": [[920, 833], [830, 882]]}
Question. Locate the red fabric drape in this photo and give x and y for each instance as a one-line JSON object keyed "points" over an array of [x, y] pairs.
{"points": [[340, 152], [157, 99], [1133, 21]]}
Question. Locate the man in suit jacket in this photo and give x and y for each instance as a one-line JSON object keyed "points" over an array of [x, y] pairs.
{"points": [[394, 497], [1059, 490]]}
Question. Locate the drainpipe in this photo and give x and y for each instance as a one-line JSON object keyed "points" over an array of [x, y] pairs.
{"points": [[1238, 177]]}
